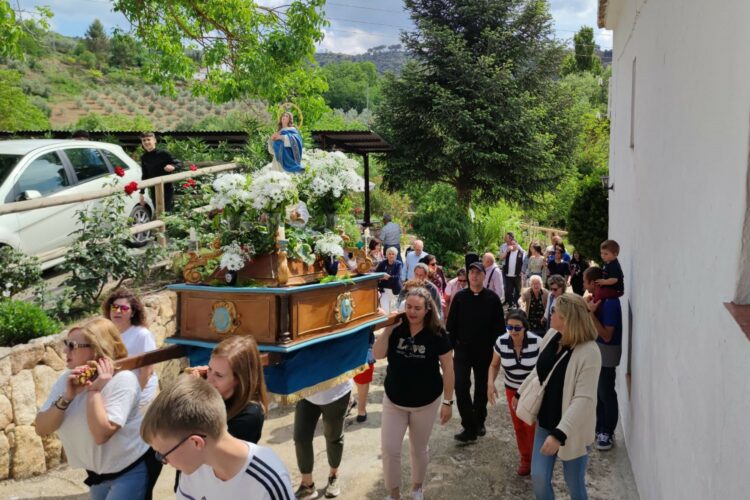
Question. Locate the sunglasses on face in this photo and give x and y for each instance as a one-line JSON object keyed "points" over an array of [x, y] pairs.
{"points": [[120, 307], [163, 458], [72, 345], [516, 328]]}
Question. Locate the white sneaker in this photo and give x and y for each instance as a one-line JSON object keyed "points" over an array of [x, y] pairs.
{"points": [[417, 495]]}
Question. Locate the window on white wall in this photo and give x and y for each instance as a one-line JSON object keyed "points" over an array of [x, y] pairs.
{"points": [[632, 105]]}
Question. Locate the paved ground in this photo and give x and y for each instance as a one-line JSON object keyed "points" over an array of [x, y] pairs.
{"points": [[485, 470]]}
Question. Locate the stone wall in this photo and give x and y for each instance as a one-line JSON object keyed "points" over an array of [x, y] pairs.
{"points": [[27, 373]]}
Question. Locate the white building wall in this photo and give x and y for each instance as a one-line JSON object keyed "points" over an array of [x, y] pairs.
{"points": [[678, 211]]}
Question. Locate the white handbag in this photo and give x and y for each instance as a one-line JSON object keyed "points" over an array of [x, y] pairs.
{"points": [[530, 400]]}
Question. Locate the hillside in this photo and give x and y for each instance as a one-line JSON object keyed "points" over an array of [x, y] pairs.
{"points": [[63, 81], [386, 58]]}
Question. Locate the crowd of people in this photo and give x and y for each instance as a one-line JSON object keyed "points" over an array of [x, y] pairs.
{"points": [[508, 313]]}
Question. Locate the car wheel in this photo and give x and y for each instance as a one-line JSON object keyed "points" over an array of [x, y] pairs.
{"points": [[140, 215]]}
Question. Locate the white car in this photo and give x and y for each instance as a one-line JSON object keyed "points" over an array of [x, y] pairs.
{"points": [[37, 168]]}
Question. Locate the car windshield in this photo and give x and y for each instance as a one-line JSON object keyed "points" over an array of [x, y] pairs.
{"points": [[7, 162]]}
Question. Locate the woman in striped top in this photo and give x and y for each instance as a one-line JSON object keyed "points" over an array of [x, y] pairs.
{"points": [[517, 352]]}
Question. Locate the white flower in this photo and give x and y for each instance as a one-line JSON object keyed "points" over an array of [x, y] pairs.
{"points": [[233, 257], [330, 174], [271, 190], [230, 189], [329, 245]]}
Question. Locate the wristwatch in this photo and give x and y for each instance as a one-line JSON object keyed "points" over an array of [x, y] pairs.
{"points": [[62, 404], [448, 402]]}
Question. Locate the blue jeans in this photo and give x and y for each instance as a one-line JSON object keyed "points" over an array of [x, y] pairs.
{"points": [[542, 467], [130, 486]]}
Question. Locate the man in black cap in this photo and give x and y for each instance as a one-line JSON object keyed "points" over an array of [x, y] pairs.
{"points": [[474, 323]]}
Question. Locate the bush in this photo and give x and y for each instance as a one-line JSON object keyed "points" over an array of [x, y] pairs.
{"points": [[22, 321], [589, 216], [18, 273], [444, 227]]}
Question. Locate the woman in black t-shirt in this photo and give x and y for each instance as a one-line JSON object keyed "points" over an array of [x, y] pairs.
{"points": [[417, 350]]}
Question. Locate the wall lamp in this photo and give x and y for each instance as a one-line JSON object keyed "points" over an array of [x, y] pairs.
{"points": [[605, 183]]}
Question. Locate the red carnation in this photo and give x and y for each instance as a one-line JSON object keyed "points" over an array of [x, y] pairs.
{"points": [[193, 168], [119, 171], [131, 188]]}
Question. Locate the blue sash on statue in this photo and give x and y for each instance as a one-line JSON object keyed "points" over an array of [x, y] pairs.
{"points": [[290, 157]]}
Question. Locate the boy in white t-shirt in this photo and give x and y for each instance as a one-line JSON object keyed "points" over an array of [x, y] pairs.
{"points": [[187, 427]]}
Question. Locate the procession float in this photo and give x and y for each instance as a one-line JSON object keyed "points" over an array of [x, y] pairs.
{"points": [[280, 268]]}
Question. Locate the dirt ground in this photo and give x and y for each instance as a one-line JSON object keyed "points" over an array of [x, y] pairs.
{"points": [[485, 470]]}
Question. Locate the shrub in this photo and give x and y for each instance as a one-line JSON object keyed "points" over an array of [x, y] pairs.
{"points": [[22, 321], [588, 220], [444, 227], [18, 273]]}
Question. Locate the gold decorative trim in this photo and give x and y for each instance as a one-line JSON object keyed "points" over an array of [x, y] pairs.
{"points": [[290, 399], [344, 307], [233, 320], [190, 273]]}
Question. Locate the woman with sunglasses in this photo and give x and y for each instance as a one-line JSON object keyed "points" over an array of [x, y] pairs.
{"points": [[566, 420], [420, 371], [516, 353], [99, 421], [436, 276], [127, 313]]}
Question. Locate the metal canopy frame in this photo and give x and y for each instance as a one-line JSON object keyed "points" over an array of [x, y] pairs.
{"points": [[356, 142]]}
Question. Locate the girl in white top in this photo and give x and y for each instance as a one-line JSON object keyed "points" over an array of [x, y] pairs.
{"points": [[98, 421], [127, 313]]}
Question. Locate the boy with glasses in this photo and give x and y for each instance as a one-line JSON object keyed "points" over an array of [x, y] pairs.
{"points": [[187, 427]]}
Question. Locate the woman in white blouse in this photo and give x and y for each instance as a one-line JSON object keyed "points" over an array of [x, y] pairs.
{"points": [[98, 421]]}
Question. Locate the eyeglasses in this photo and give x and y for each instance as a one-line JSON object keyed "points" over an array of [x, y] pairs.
{"points": [[434, 264], [462, 281], [163, 458], [120, 307], [516, 328], [72, 345]]}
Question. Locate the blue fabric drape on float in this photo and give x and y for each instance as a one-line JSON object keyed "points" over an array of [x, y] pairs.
{"points": [[319, 366], [290, 158]]}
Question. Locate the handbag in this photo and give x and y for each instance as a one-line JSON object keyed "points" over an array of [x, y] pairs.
{"points": [[530, 400]]}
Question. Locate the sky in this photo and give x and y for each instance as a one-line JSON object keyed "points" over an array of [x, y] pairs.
{"points": [[356, 25]]}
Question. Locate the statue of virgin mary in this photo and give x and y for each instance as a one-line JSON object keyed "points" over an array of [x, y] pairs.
{"points": [[286, 146]]}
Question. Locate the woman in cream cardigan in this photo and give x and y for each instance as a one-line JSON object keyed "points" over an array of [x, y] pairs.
{"points": [[567, 417]]}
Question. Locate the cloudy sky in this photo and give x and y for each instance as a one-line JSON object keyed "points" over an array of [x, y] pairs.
{"points": [[356, 25]]}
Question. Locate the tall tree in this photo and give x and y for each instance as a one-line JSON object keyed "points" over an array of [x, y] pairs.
{"points": [[96, 39], [584, 56], [478, 107], [247, 49], [13, 23], [125, 51]]}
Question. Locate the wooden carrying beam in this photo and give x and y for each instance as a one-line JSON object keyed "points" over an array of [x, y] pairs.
{"points": [[161, 355]]}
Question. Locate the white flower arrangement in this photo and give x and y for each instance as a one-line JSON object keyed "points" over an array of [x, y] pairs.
{"points": [[271, 190], [329, 245], [230, 189], [330, 176], [234, 257]]}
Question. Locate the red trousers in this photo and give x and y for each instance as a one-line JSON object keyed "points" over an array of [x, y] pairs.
{"points": [[524, 431]]}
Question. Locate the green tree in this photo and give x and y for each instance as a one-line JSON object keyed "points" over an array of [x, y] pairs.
{"points": [[584, 56], [352, 85], [445, 231], [13, 25], [16, 111], [125, 51], [96, 40], [479, 107], [589, 216], [247, 49]]}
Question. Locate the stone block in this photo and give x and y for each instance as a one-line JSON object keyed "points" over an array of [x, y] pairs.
{"points": [[4, 456], [52, 450], [23, 397], [5, 370], [169, 371], [160, 333], [27, 455], [56, 343], [52, 359], [44, 378], [6, 412], [171, 328], [25, 356]]}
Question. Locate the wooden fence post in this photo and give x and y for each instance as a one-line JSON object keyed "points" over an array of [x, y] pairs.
{"points": [[160, 208]]}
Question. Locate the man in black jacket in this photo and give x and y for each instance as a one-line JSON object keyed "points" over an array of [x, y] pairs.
{"points": [[155, 163], [475, 321]]}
